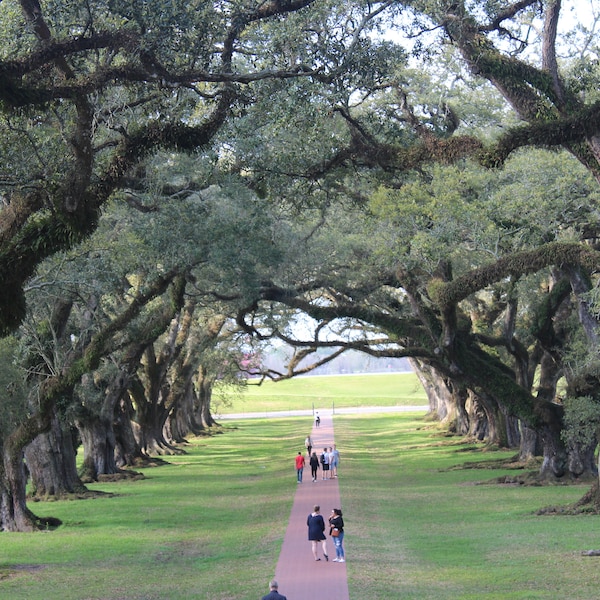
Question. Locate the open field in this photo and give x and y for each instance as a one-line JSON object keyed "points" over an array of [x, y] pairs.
{"points": [[324, 392], [209, 524]]}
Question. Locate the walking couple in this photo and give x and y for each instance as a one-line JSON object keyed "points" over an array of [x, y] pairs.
{"points": [[316, 533]]}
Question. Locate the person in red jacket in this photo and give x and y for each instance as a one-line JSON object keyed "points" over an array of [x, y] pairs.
{"points": [[299, 466]]}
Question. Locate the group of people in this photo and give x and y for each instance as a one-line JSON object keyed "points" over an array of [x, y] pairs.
{"points": [[316, 536], [328, 461]]}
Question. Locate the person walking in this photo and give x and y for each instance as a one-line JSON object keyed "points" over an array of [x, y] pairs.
{"points": [[314, 466], [274, 593], [330, 458], [317, 420], [335, 461], [324, 458], [300, 462], [336, 531], [308, 445], [316, 532]]}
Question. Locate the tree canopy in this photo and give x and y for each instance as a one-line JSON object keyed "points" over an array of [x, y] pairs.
{"points": [[419, 178]]}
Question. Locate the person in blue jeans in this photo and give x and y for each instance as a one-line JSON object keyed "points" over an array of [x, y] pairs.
{"points": [[334, 460], [299, 466], [337, 523]]}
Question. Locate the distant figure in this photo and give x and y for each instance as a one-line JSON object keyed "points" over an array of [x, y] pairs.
{"points": [[274, 593], [314, 466], [316, 532], [336, 531], [317, 420], [308, 445], [299, 466], [324, 458]]}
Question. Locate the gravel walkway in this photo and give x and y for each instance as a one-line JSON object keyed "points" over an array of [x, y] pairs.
{"points": [[300, 577]]}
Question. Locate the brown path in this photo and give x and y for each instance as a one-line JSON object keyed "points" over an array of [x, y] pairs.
{"points": [[300, 577]]}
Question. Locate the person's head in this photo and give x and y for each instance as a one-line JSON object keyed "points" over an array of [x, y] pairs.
{"points": [[314, 453], [324, 449], [337, 512], [316, 508], [330, 449], [273, 584], [299, 453]]}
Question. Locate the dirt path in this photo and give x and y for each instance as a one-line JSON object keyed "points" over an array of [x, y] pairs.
{"points": [[300, 577]]}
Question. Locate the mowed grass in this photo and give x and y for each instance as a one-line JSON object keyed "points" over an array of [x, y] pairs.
{"points": [[421, 527], [199, 527], [324, 392], [209, 524]]}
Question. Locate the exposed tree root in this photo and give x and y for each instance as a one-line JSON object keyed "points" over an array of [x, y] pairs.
{"points": [[530, 476], [48, 523], [513, 463], [82, 494], [589, 504], [121, 475], [141, 462]]}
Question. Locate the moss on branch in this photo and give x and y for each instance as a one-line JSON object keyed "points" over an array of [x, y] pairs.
{"points": [[449, 294]]}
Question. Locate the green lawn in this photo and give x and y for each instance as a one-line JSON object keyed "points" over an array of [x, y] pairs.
{"points": [[428, 531], [324, 392], [416, 526]]}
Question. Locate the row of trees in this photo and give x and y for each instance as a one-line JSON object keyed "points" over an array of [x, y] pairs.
{"points": [[181, 183], [487, 280]]}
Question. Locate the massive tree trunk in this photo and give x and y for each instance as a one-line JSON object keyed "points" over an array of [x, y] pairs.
{"points": [[183, 420], [192, 379], [555, 462], [488, 421], [96, 431], [151, 389], [582, 460], [150, 417], [51, 462], [15, 516], [128, 452], [442, 403], [478, 419], [14, 513], [98, 442], [204, 385], [530, 443]]}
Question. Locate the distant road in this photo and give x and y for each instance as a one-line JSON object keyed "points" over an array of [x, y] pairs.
{"points": [[323, 412]]}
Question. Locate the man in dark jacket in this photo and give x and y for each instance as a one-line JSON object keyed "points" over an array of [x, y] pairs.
{"points": [[274, 594]]}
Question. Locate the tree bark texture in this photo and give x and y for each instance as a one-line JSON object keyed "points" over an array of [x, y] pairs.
{"points": [[51, 463]]}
